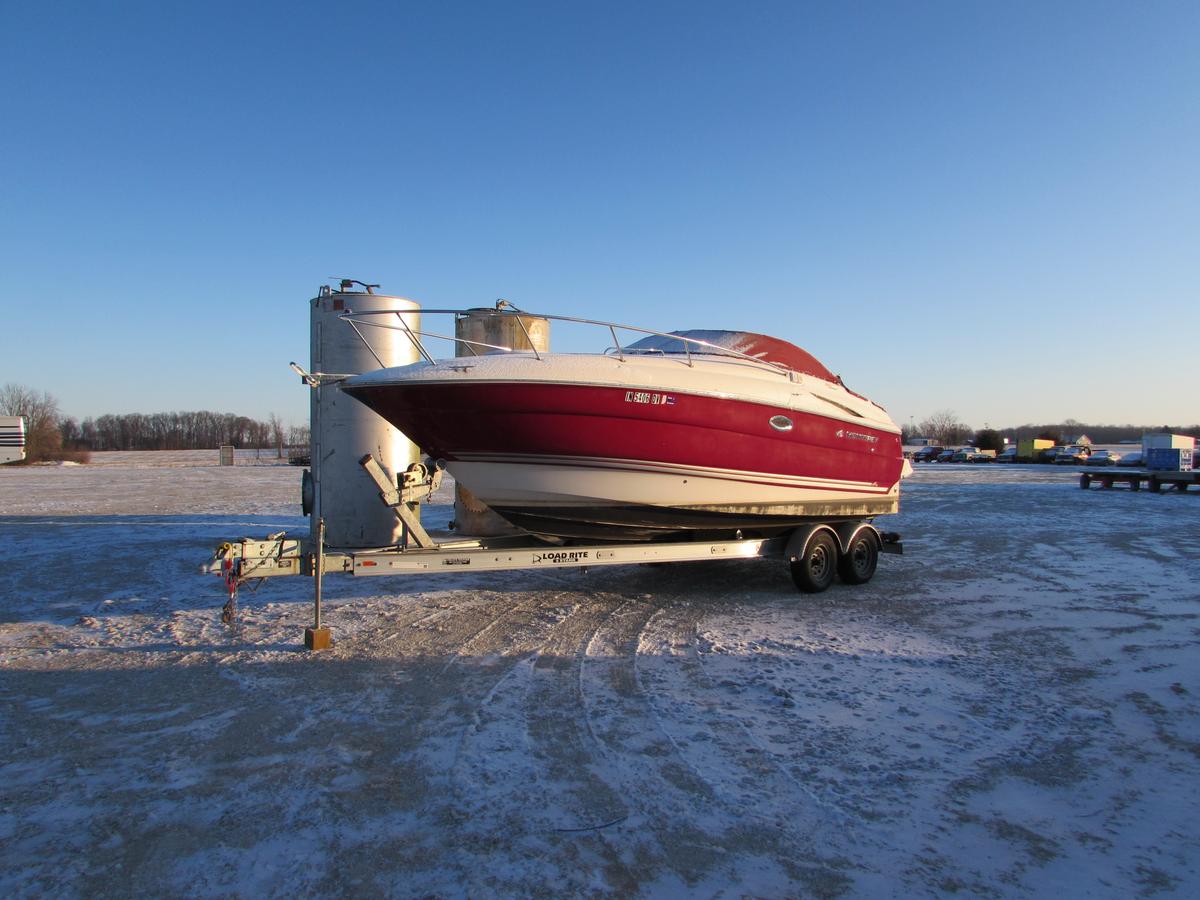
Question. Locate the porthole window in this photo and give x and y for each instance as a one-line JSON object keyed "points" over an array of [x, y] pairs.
{"points": [[781, 423]]}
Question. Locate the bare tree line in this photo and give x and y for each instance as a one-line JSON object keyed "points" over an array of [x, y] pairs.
{"points": [[51, 435], [945, 428], [179, 431]]}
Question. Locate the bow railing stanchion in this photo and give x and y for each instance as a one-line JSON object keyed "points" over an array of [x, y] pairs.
{"points": [[617, 343], [416, 341], [525, 331], [366, 343]]}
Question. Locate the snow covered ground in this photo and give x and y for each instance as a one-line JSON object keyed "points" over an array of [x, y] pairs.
{"points": [[1010, 709]]}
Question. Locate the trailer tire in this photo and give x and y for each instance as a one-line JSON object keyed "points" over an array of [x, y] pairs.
{"points": [[857, 565], [814, 570]]}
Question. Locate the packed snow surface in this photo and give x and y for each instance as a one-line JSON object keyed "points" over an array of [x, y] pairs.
{"points": [[1009, 709]]}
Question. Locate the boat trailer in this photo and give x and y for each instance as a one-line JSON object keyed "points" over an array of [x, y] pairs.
{"points": [[816, 552]]}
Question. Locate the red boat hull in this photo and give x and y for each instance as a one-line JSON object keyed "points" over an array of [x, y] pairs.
{"points": [[723, 463]]}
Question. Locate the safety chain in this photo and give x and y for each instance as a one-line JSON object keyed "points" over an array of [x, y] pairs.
{"points": [[230, 571]]}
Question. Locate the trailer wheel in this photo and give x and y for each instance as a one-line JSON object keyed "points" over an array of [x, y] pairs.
{"points": [[813, 572], [857, 564]]}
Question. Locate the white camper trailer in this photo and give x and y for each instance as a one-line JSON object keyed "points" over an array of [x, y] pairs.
{"points": [[12, 439]]}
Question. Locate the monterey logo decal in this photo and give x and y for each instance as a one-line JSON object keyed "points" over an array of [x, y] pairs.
{"points": [[857, 436]]}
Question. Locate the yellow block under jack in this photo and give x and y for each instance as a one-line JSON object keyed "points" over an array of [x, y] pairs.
{"points": [[317, 638]]}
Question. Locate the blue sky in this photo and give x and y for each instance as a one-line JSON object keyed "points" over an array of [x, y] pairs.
{"points": [[987, 208]]}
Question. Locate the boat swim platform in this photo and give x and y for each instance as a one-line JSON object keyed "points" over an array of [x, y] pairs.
{"points": [[1154, 481]]}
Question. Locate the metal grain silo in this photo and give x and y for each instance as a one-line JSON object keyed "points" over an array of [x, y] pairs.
{"points": [[344, 430], [499, 328]]}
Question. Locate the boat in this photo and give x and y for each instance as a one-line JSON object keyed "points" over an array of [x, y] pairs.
{"points": [[688, 433]]}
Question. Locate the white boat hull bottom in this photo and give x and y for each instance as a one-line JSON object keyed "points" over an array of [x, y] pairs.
{"points": [[630, 499]]}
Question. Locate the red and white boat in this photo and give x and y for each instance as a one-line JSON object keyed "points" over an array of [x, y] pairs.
{"points": [[701, 432]]}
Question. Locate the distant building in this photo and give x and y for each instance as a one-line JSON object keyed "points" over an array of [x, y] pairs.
{"points": [[1082, 441]]}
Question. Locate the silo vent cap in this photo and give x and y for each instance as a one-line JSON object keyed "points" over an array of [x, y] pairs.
{"points": [[345, 285]]}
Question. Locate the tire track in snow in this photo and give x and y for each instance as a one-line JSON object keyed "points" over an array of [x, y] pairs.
{"points": [[523, 768], [431, 684], [748, 780]]}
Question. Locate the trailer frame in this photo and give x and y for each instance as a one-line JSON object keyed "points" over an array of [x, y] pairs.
{"points": [[250, 559], [816, 552]]}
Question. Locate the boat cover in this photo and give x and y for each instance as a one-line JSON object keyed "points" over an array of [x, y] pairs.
{"points": [[760, 346]]}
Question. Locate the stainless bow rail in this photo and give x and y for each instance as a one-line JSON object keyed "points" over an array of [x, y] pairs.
{"points": [[690, 346]]}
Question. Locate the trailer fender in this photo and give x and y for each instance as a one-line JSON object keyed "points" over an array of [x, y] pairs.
{"points": [[849, 532], [845, 534], [813, 556], [797, 544]]}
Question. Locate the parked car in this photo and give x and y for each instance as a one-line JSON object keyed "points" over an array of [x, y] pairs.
{"points": [[927, 454], [1008, 454], [1104, 458], [963, 454], [1131, 459], [1049, 454], [1077, 454], [1072, 456], [944, 456]]}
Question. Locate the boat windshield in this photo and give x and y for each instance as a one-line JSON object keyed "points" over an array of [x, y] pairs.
{"points": [[743, 343]]}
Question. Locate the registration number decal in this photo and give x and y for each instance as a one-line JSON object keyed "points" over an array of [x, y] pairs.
{"points": [[649, 398]]}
